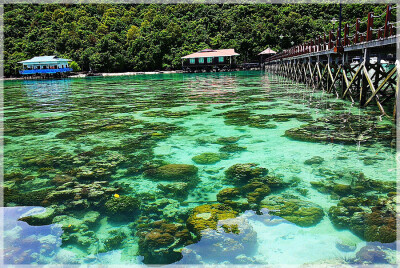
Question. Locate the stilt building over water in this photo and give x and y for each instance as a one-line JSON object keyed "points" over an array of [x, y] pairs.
{"points": [[45, 66], [210, 60]]}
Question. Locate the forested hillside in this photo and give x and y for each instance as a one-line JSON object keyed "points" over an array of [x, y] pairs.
{"points": [[114, 38]]}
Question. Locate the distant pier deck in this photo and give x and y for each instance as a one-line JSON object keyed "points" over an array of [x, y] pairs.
{"points": [[361, 67]]}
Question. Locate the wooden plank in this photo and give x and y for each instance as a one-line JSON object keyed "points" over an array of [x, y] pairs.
{"points": [[321, 75], [353, 79], [334, 80], [381, 85]]}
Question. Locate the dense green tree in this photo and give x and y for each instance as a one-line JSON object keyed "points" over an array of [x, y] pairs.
{"points": [[126, 37]]}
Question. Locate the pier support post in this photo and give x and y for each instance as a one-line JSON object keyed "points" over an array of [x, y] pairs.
{"points": [[364, 81]]}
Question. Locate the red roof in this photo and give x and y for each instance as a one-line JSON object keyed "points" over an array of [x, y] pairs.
{"points": [[212, 53], [267, 51]]}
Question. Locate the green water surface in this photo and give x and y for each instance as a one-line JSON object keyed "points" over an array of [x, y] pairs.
{"points": [[113, 129]]}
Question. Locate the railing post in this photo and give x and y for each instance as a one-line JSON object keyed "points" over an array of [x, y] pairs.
{"points": [[319, 43], [357, 34], [312, 46], [346, 35], [387, 21], [330, 44], [337, 38], [370, 24], [324, 43], [379, 33]]}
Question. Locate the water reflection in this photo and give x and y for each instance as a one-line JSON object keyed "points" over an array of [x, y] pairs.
{"points": [[267, 239], [45, 93], [25, 244]]}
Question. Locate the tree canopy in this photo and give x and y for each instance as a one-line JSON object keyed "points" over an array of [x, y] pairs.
{"points": [[143, 37]]}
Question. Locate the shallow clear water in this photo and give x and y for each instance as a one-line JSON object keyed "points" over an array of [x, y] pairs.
{"points": [[63, 136]]}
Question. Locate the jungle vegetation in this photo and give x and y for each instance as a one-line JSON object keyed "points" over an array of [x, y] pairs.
{"points": [[144, 37]]}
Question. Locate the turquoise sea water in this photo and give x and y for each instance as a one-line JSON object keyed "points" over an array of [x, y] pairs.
{"points": [[97, 154]]}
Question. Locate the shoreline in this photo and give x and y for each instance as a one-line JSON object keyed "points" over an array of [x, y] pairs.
{"points": [[82, 75]]}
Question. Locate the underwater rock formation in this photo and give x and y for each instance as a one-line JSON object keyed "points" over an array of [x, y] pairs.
{"points": [[231, 238], [227, 140], [165, 208], [242, 173], [207, 216], [172, 172], [315, 160], [343, 128], [177, 190], [232, 148], [372, 219], [160, 242], [300, 212], [371, 254], [122, 206], [206, 158], [245, 197], [359, 186]]}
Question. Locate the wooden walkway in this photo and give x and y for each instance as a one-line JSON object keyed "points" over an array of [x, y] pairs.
{"points": [[361, 67]]}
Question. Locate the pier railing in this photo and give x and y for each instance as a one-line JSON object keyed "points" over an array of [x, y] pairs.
{"points": [[336, 41], [360, 66]]}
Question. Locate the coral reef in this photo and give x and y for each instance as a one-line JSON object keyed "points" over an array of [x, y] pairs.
{"points": [[207, 216], [206, 158], [160, 242], [315, 160], [227, 140], [231, 238], [172, 172], [242, 173], [178, 190], [232, 148], [372, 219], [122, 206], [301, 213], [344, 128]]}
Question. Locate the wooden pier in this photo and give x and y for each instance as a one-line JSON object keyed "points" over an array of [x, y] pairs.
{"points": [[361, 67]]}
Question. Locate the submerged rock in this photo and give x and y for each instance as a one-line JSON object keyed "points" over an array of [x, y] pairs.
{"points": [[232, 148], [44, 218], [207, 158], [315, 160], [300, 212], [371, 255], [207, 216], [232, 238], [227, 140], [178, 190], [372, 220], [172, 172], [242, 173], [343, 128], [122, 206], [161, 242]]}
